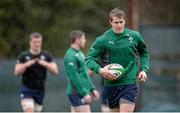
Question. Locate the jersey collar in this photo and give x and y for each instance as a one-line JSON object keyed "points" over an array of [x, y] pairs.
{"points": [[34, 53]]}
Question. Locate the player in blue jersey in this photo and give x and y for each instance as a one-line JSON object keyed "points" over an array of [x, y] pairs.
{"points": [[33, 65]]}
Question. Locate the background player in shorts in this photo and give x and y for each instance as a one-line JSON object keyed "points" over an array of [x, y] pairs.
{"points": [[104, 104], [33, 65], [80, 86], [123, 46]]}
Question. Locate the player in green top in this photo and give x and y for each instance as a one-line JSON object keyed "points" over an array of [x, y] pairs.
{"points": [[80, 85], [123, 46]]}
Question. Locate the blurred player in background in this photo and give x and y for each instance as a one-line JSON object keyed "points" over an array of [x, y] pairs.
{"points": [[104, 105], [33, 65], [80, 85], [123, 46]]}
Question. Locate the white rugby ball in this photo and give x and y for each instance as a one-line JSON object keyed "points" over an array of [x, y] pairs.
{"points": [[117, 70]]}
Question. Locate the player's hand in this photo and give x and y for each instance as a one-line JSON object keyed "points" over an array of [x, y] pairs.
{"points": [[95, 94], [142, 77], [43, 63], [31, 62], [106, 74], [87, 99]]}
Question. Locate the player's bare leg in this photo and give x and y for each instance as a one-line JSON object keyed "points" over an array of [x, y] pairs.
{"points": [[38, 108], [82, 108], [105, 108], [116, 109], [126, 106], [28, 105]]}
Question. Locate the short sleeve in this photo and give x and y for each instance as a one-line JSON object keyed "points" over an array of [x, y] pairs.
{"points": [[20, 59], [49, 57]]}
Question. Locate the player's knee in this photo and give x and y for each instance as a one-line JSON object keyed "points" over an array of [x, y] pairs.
{"points": [[126, 105], [104, 108], [38, 108], [82, 108], [28, 105], [115, 109]]}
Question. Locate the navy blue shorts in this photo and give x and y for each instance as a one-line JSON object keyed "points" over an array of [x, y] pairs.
{"points": [[76, 100], [36, 95], [115, 93]]}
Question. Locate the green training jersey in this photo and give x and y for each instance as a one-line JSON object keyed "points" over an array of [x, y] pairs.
{"points": [[77, 74], [123, 49]]}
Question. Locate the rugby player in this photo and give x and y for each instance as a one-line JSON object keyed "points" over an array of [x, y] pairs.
{"points": [[80, 87], [33, 65], [123, 46]]}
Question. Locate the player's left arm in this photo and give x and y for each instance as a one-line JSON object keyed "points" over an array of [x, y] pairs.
{"points": [[49, 64], [94, 92], [144, 58]]}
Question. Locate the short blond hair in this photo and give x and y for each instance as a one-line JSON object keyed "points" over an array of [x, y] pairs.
{"points": [[35, 35], [117, 12]]}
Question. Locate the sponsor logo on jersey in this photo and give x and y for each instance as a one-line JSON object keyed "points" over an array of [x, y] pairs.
{"points": [[71, 63], [22, 95], [82, 55], [27, 58], [111, 42], [42, 57], [130, 39], [77, 54]]}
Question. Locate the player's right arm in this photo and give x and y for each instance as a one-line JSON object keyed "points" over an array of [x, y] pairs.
{"points": [[74, 76], [22, 65], [20, 68], [96, 50]]}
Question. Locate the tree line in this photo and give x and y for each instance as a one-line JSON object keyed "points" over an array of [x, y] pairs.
{"points": [[54, 19]]}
